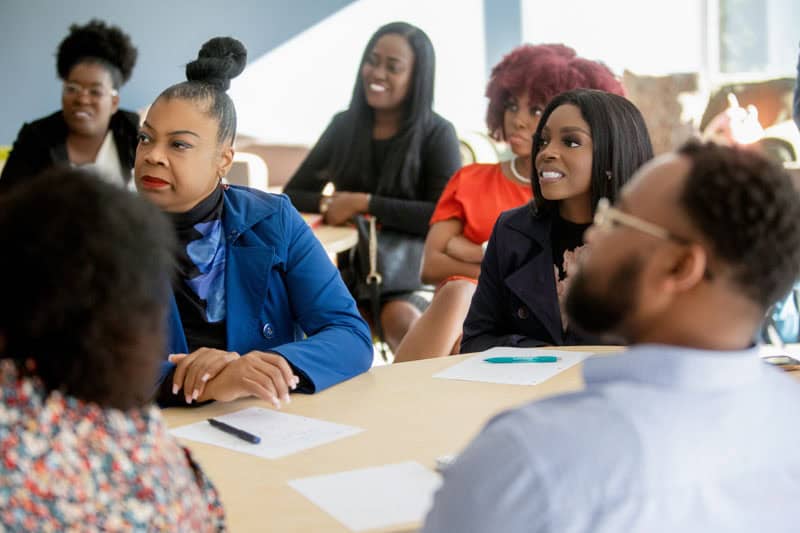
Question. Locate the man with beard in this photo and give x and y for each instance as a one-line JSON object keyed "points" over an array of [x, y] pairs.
{"points": [[687, 430]]}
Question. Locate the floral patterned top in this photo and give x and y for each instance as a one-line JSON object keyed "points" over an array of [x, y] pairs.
{"points": [[68, 465]]}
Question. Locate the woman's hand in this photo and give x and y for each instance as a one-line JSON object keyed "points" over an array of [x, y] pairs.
{"points": [[571, 261], [344, 205], [734, 126], [460, 248], [263, 374], [194, 370], [437, 262]]}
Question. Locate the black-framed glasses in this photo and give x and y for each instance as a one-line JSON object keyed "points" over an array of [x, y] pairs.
{"points": [[606, 216], [95, 92]]}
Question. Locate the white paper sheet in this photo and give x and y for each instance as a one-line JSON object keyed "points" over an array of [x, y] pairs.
{"points": [[476, 369], [792, 350], [376, 497], [281, 433]]}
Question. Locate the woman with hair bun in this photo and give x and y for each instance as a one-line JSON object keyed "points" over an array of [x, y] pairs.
{"points": [[93, 62], [258, 308]]}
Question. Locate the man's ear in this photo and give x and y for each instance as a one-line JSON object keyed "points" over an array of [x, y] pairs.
{"points": [[689, 267], [114, 103]]}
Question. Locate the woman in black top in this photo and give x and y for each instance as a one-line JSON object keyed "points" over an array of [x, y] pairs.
{"points": [[388, 154], [587, 146], [93, 61]]}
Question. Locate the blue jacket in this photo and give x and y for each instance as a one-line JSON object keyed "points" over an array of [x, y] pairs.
{"points": [[516, 303], [281, 286]]}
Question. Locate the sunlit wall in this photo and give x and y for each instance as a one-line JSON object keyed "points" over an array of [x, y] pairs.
{"points": [[290, 94]]}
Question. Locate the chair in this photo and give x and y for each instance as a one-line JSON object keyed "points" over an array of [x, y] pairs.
{"points": [[248, 170], [4, 153], [793, 168], [282, 159], [477, 147]]}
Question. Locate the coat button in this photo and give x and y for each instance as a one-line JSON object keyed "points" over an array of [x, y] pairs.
{"points": [[522, 313], [267, 331]]}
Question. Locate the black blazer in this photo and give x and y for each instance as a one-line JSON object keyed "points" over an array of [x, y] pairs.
{"points": [[516, 303], [440, 158], [43, 143]]}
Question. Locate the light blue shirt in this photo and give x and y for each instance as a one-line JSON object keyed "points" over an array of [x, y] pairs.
{"points": [[663, 439]]}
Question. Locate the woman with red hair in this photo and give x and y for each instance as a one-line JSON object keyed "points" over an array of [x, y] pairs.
{"points": [[520, 87]]}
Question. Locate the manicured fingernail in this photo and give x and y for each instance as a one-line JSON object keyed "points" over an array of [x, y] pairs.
{"points": [[188, 399], [205, 377], [286, 399], [275, 402], [195, 394], [175, 389]]}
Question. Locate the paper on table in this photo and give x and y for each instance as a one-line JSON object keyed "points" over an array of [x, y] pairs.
{"points": [[375, 497], [281, 433], [766, 350], [476, 369]]}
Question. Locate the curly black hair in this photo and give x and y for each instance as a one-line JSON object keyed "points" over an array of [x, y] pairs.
{"points": [[748, 210], [85, 281], [100, 43], [208, 77]]}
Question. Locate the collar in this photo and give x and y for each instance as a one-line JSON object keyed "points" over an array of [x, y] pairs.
{"points": [[677, 367], [201, 212], [533, 280], [244, 208], [529, 224]]}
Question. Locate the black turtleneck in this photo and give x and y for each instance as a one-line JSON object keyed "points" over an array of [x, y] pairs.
{"points": [[199, 285]]}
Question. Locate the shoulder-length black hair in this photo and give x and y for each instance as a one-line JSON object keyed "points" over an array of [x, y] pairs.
{"points": [[353, 156], [620, 143]]}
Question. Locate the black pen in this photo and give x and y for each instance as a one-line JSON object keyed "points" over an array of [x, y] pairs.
{"points": [[236, 432]]}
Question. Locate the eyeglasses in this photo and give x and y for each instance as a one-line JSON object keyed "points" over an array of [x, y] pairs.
{"points": [[96, 92], [606, 216]]}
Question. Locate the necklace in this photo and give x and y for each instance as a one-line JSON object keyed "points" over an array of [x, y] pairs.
{"points": [[517, 175]]}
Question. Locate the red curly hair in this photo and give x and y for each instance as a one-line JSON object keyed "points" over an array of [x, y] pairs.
{"points": [[543, 71]]}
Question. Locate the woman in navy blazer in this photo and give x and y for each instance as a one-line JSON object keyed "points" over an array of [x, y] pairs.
{"points": [[258, 309], [587, 145]]}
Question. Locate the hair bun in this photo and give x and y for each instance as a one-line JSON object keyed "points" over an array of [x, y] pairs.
{"points": [[219, 60]]}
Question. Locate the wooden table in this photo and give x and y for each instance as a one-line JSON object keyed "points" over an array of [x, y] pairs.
{"points": [[407, 414], [336, 239]]}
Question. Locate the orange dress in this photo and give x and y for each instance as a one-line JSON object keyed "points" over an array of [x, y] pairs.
{"points": [[476, 195]]}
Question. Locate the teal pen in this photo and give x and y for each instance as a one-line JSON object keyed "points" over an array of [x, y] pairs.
{"points": [[536, 359]]}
